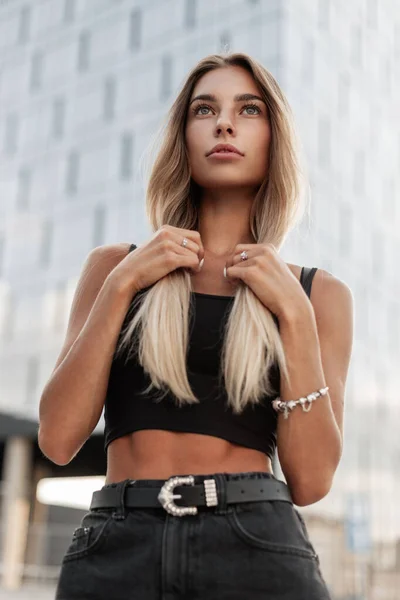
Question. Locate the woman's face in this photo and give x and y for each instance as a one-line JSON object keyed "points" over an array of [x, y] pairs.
{"points": [[226, 120]]}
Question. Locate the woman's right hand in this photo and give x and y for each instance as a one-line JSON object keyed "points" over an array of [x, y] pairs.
{"points": [[159, 256]]}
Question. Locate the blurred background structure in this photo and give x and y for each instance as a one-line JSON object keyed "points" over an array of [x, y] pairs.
{"points": [[84, 85]]}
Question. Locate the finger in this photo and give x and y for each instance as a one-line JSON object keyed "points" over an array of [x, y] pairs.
{"points": [[191, 247], [195, 237], [239, 256]]}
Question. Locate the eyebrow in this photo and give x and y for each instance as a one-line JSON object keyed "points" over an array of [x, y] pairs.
{"points": [[237, 98]]}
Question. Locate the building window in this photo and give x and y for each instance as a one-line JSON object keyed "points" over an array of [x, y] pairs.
{"points": [[83, 50], [166, 76], [324, 9], [356, 46], [23, 188], [396, 38], [99, 226], [2, 246], [308, 61], [389, 200], [135, 29], [372, 13], [190, 13], [60, 310], [378, 254], [109, 98], [46, 243], [324, 141], [69, 10], [32, 380], [343, 94], [393, 322], [11, 134], [346, 230], [359, 172], [126, 156], [58, 117], [24, 24], [36, 71], [72, 174]]}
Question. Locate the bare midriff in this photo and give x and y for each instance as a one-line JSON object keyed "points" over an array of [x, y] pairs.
{"points": [[159, 454]]}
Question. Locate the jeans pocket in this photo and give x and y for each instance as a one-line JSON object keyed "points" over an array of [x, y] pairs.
{"points": [[304, 530], [90, 536], [271, 526]]}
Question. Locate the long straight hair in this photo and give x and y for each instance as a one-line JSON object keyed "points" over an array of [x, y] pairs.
{"points": [[252, 344]]}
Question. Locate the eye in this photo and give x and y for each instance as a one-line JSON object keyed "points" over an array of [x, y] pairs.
{"points": [[253, 106], [196, 109]]}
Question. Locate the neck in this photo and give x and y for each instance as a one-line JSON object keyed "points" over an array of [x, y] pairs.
{"points": [[224, 217]]}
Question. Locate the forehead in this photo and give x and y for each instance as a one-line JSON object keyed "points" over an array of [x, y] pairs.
{"points": [[227, 80]]}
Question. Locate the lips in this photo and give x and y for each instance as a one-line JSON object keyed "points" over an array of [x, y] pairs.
{"points": [[225, 148]]}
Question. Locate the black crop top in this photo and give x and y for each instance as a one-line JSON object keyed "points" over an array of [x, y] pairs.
{"points": [[127, 411]]}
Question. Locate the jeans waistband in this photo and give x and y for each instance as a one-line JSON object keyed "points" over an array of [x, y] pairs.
{"points": [[245, 475]]}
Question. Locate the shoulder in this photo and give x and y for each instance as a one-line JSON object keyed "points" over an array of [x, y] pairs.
{"points": [[109, 255], [324, 283], [99, 263], [330, 296]]}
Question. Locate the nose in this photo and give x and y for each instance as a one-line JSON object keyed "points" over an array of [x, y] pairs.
{"points": [[224, 125]]}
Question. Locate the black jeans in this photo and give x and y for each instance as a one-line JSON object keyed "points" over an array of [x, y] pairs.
{"points": [[242, 551]]}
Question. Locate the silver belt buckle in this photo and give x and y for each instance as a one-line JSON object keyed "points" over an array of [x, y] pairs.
{"points": [[166, 495]]}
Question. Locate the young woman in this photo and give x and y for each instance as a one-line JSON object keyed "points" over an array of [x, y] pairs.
{"points": [[209, 353]]}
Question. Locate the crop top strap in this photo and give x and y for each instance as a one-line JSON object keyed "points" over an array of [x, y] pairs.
{"points": [[306, 278], [132, 247]]}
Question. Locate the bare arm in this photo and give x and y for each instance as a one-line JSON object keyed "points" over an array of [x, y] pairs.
{"points": [[318, 344], [72, 401]]}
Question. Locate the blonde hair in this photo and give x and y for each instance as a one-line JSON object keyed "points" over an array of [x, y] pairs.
{"points": [[252, 344]]}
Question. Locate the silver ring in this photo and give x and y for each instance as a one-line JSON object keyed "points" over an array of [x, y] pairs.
{"points": [[184, 242], [244, 255]]}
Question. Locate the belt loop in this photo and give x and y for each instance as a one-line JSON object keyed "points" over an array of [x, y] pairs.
{"points": [[222, 507], [120, 513]]}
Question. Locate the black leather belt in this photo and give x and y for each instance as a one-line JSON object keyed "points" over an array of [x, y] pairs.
{"points": [[191, 494]]}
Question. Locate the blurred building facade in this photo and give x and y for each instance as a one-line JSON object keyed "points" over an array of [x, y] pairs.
{"points": [[84, 85]]}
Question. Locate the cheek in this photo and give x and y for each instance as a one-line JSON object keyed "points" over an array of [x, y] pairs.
{"points": [[261, 149], [194, 140]]}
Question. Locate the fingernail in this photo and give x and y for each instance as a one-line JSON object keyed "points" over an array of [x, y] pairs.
{"points": [[224, 271], [201, 263]]}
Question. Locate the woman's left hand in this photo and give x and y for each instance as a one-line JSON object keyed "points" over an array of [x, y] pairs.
{"points": [[268, 276]]}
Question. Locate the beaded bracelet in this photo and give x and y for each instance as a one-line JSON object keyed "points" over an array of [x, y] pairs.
{"points": [[287, 407]]}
